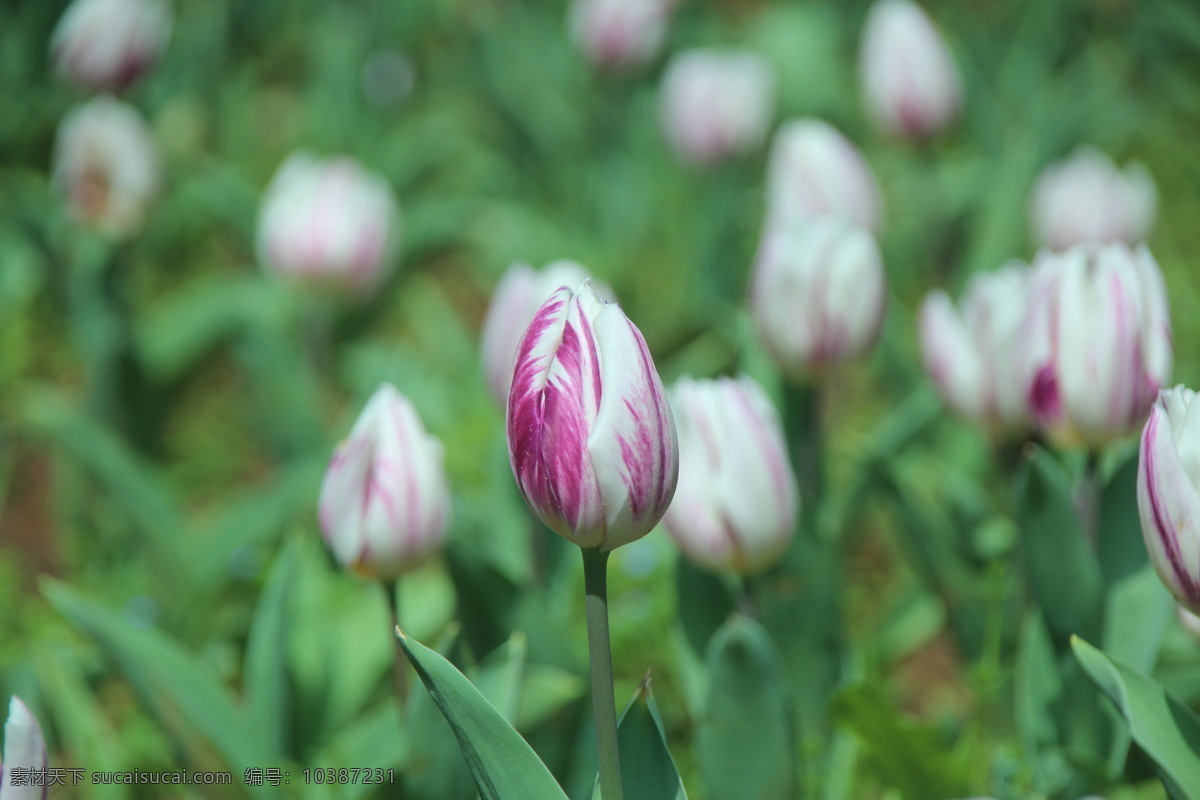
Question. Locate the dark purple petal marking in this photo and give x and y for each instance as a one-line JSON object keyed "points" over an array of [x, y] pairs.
{"points": [[1163, 526], [647, 456], [1045, 400]]}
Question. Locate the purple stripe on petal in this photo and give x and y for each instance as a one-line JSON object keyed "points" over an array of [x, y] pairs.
{"points": [[1162, 524]]}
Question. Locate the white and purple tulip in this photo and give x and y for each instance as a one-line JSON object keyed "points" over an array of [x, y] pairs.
{"points": [[716, 103], [385, 501], [1097, 342], [614, 34], [1168, 492], [106, 164], [970, 351], [24, 755], [818, 293], [516, 298], [736, 505], [1085, 198], [328, 222], [910, 83], [591, 438], [814, 170], [108, 44]]}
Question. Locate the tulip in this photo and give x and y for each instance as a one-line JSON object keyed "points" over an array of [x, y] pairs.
{"points": [[716, 104], [385, 500], [23, 770], [969, 351], [515, 300], [817, 294], [815, 171], [909, 80], [735, 508], [106, 164], [1085, 198], [1097, 342], [108, 44], [618, 33], [328, 222], [1168, 492], [590, 433]]}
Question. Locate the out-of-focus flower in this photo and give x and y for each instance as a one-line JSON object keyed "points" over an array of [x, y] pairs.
{"points": [[385, 501], [971, 352], [818, 293], [619, 33], [106, 163], [108, 44], [516, 298], [1085, 198], [590, 433], [815, 171], [329, 222], [1169, 492], [24, 755], [387, 78], [716, 103], [735, 508], [1097, 343], [909, 80]]}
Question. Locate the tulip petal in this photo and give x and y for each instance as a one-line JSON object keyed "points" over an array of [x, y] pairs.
{"points": [[24, 749], [1169, 506]]}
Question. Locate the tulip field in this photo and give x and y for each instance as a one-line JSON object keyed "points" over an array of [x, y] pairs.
{"points": [[566, 399]]}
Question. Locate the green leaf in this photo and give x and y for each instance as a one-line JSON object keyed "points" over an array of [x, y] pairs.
{"points": [[1064, 574], [265, 682], [504, 765], [745, 742], [1167, 730], [1037, 687], [1119, 531], [647, 770], [705, 603]]}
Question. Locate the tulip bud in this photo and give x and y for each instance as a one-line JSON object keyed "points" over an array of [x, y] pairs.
{"points": [[516, 298], [735, 508], [590, 434], [24, 755], [909, 80], [108, 44], [106, 164], [328, 222], [385, 501], [1169, 492], [619, 33], [1085, 198], [1097, 342], [716, 104], [815, 171], [969, 351], [818, 293]]}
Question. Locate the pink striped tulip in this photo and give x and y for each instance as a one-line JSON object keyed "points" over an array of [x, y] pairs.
{"points": [[735, 508], [515, 300], [24, 755], [108, 44], [909, 80], [970, 351], [385, 501], [328, 222], [590, 434], [1085, 198], [619, 33], [815, 171], [818, 294], [106, 165], [1169, 492], [716, 104], [1097, 342]]}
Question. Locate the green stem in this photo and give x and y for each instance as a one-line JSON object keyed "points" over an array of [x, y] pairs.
{"points": [[400, 662], [802, 425], [1087, 499], [604, 710]]}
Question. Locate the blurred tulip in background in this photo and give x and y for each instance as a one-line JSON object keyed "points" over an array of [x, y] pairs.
{"points": [[108, 44], [736, 504], [385, 500], [24, 756], [910, 83], [619, 33], [716, 103], [106, 163], [1085, 198], [590, 433], [328, 222]]}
